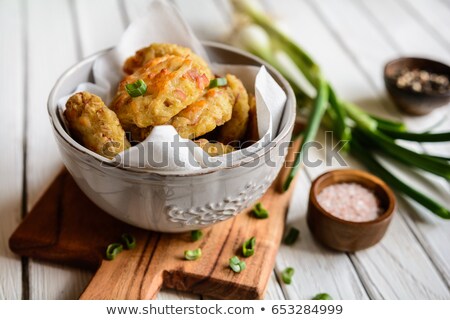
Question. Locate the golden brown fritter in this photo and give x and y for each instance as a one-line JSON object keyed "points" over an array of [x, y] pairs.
{"points": [[172, 82], [157, 50], [205, 114], [95, 126], [214, 148], [235, 129]]}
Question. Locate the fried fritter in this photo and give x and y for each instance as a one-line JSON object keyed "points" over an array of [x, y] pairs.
{"points": [[94, 125], [172, 82], [205, 114], [214, 148], [235, 129], [157, 50]]}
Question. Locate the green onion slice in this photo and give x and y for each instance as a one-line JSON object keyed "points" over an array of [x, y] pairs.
{"points": [[113, 250], [248, 248], [129, 241], [137, 88], [291, 236], [287, 274], [260, 212], [236, 265], [218, 82], [196, 235], [322, 296], [192, 255]]}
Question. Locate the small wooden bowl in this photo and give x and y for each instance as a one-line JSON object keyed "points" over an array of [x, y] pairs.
{"points": [[410, 101], [343, 235]]}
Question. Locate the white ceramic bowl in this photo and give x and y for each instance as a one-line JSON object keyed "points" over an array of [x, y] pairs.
{"points": [[173, 203]]}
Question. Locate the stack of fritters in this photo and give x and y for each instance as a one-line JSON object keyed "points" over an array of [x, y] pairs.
{"points": [[179, 92]]}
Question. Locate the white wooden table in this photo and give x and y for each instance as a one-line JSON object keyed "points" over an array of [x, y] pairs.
{"points": [[351, 39]]}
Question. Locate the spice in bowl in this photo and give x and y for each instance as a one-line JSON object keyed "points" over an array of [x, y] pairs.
{"points": [[350, 201], [422, 81]]}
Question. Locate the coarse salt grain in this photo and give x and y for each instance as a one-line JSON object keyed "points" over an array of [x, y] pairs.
{"points": [[349, 201]]}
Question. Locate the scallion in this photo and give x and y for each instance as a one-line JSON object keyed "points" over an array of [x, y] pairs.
{"points": [[346, 119], [129, 241], [287, 274], [248, 248], [137, 88], [196, 235], [192, 255], [113, 250], [218, 82], [322, 296], [260, 212], [291, 236], [236, 265]]}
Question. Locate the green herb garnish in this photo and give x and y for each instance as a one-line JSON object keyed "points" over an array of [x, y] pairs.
{"points": [[291, 236], [218, 82], [113, 250], [260, 212], [322, 296], [137, 88], [196, 235], [193, 254], [248, 248], [287, 274], [129, 241], [237, 265]]}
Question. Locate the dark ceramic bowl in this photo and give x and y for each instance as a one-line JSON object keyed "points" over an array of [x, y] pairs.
{"points": [[409, 101], [343, 235]]}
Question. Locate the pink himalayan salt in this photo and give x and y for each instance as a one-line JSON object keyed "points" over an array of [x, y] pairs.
{"points": [[349, 201]]}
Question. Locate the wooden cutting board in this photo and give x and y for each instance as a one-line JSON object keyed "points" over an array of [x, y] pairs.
{"points": [[66, 227]]}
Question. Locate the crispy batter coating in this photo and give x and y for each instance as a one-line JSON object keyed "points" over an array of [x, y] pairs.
{"points": [[214, 148], [205, 114], [157, 50], [235, 129], [95, 126], [172, 82]]}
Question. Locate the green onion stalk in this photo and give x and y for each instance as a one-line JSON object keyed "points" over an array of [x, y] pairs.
{"points": [[366, 133]]}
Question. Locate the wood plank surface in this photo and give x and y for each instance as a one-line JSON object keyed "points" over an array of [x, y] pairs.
{"points": [[350, 39], [51, 49], [12, 79], [351, 83], [432, 232]]}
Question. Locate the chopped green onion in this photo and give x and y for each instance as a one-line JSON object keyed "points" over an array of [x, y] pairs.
{"points": [[113, 250], [260, 212], [129, 241], [137, 88], [196, 235], [291, 236], [218, 82], [237, 265], [287, 274], [193, 254], [248, 248], [322, 296]]}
